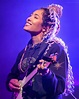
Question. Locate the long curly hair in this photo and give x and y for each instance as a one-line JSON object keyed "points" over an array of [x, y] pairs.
{"points": [[51, 18]]}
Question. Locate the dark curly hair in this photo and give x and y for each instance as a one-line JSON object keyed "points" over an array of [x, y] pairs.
{"points": [[51, 17], [46, 18]]}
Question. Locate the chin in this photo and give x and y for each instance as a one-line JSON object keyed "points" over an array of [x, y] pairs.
{"points": [[25, 28]]}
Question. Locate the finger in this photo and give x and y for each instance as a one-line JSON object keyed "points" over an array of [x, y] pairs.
{"points": [[41, 60], [13, 88], [15, 83], [42, 66], [38, 66]]}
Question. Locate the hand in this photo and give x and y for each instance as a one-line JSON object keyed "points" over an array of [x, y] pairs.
{"points": [[14, 85], [42, 67]]}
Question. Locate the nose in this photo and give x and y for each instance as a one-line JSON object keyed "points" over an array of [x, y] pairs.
{"points": [[28, 19]]}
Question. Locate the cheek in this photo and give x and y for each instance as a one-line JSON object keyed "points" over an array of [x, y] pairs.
{"points": [[33, 28], [37, 26]]}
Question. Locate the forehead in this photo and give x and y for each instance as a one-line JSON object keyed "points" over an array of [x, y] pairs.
{"points": [[39, 13]]}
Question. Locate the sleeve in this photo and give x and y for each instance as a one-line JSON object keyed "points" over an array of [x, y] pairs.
{"points": [[54, 82], [14, 71]]}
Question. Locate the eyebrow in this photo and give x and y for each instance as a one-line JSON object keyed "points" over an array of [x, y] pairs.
{"points": [[35, 14]]}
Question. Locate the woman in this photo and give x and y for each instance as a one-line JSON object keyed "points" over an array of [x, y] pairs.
{"points": [[49, 82]]}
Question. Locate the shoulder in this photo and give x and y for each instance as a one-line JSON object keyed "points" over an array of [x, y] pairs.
{"points": [[59, 49], [56, 46]]}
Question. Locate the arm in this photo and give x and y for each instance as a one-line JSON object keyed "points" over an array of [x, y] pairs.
{"points": [[12, 79], [54, 81]]}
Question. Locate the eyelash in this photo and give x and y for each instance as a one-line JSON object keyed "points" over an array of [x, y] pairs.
{"points": [[35, 17]]}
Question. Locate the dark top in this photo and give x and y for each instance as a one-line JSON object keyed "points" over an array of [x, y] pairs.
{"points": [[50, 86]]}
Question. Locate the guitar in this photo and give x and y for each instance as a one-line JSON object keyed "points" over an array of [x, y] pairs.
{"points": [[26, 79]]}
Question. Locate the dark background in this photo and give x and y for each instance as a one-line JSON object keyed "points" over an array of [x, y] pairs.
{"points": [[13, 38]]}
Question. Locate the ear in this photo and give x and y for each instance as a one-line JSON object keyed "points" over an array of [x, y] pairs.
{"points": [[45, 29]]}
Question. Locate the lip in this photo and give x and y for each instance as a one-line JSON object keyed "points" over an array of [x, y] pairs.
{"points": [[28, 23]]}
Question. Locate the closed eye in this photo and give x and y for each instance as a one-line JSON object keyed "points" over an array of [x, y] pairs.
{"points": [[36, 16]]}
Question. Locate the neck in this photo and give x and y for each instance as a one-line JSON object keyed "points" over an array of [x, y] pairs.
{"points": [[37, 38]]}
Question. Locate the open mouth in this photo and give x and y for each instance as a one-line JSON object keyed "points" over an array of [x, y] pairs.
{"points": [[28, 23]]}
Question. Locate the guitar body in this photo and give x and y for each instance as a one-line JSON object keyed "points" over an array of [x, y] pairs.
{"points": [[18, 95]]}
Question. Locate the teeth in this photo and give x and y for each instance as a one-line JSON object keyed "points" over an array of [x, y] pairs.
{"points": [[27, 23]]}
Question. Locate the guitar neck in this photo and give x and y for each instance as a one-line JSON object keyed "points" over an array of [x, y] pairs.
{"points": [[29, 77]]}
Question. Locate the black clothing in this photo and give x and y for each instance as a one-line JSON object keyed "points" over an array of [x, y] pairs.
{"points": [[49, 86]]}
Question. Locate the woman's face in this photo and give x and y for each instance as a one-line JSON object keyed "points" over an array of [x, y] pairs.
{"points": [[34, 22]]}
